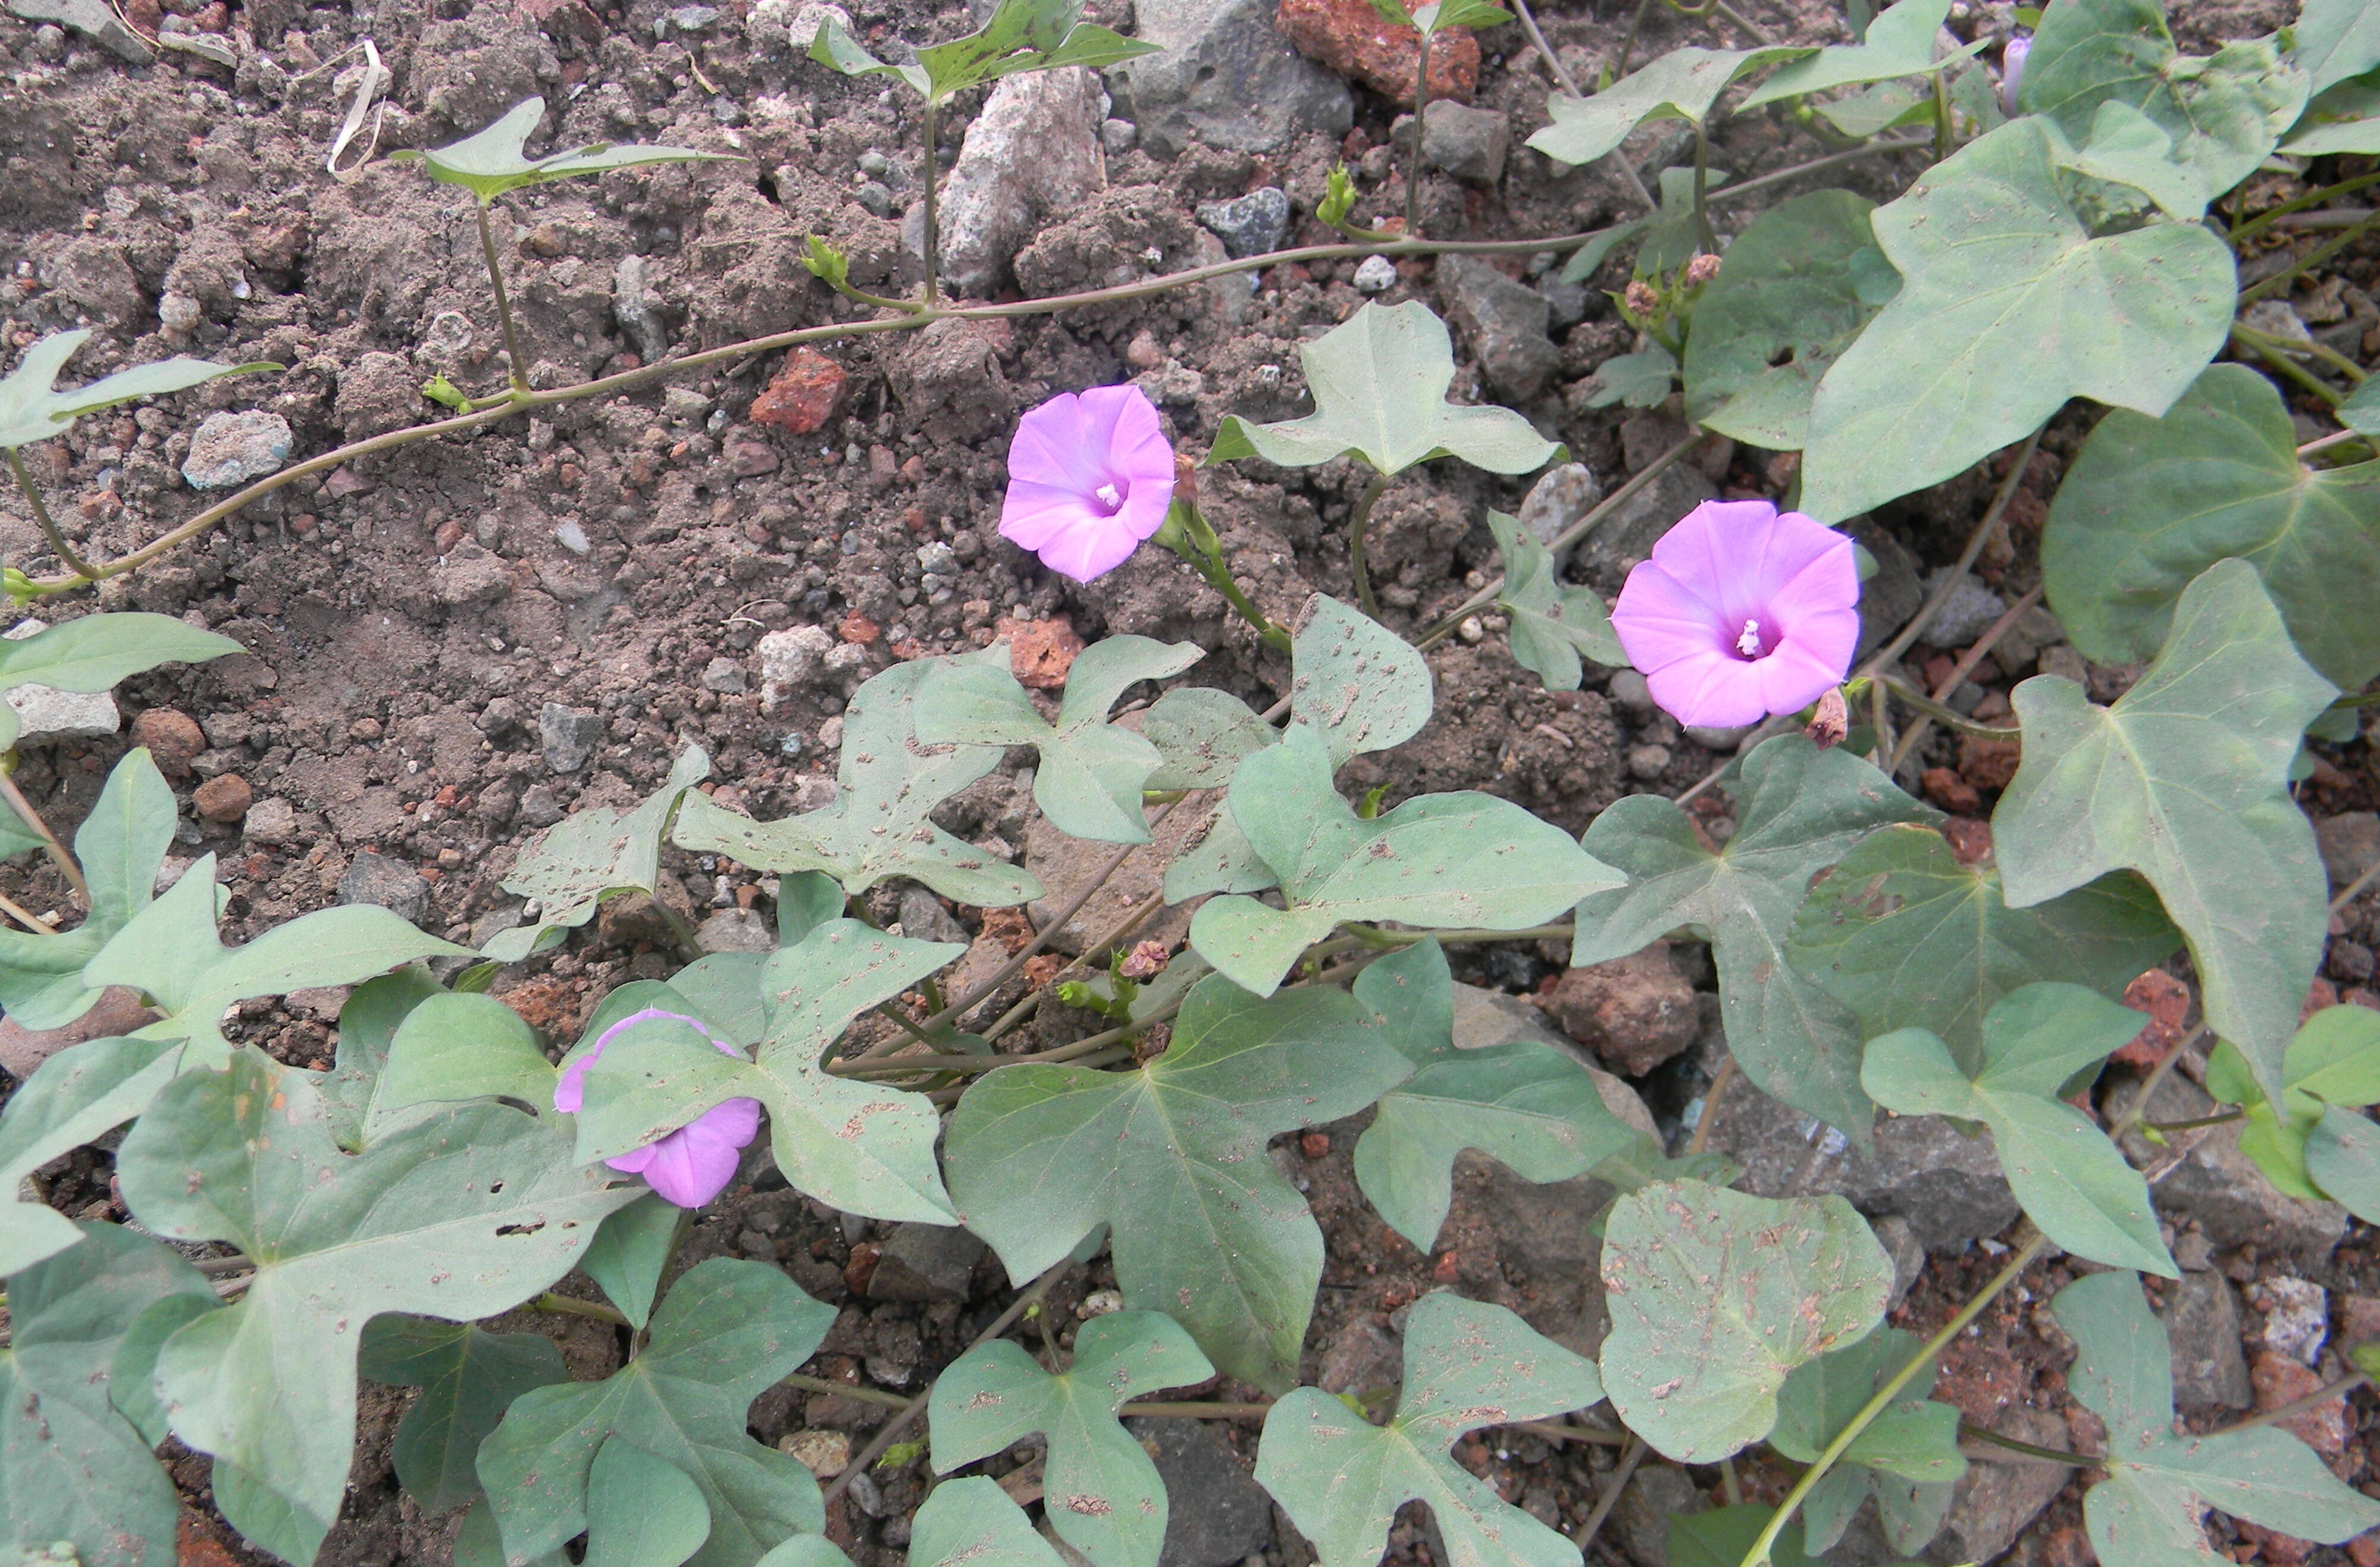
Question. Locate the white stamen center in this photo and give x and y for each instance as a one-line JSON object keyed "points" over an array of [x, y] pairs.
{"points": [[1110, 497], [1748, 644]]}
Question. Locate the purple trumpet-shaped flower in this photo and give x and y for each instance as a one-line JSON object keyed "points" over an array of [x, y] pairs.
{"points": [[693, 1164], [2013, 55], [1741, 614], [1089, 477]]}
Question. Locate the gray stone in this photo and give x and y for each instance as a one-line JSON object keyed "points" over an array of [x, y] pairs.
{"points": [[1560, 496], [923, 918], [1363, 1358], [568, 735], [392, 884], [540, 806], [1566, 302], [1506, 321], [1225, 77], [1466, 142], [2201, 1319], [2349, 844], [1656, 1494], [924, 1262], [469, 575], [1890, 597], [93, 19], [232, 449], [725, 675], [46, 715], [1631, 691], [1995, 1501], [2020, 645], [1033, 153], [2222, 1188], [1117, 137], [690, 18], [1228, 1515], [791, 661], [2297, 1317], [736, 931], [1375, 274], [270, 822], [1900, 1244], [638, 309], [1249, 224], [1628, 535], [790, 24], [1966, 614]]}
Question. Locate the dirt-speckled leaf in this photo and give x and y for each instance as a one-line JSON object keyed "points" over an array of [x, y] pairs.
{"points": [[864, 1148], [1908, 1457], [1798, 810], [2186, 781], [641, 1510], [1355, 683], [1796, 289], [1898, 42], [1716, 1297], [460, 1216], [369, 1022], [594, 854], [490, 162], [1091, 771], [1100, 1490], [2333, 1059], [1526, 1105], [2146, 1513], [1452, 860], [2342, 1153], [455, 1048], [2068, 1176], [888, 784], [30, 410], [2009, 307], [1908, 937], [72, 1469], [2125, 147], [1553, 624], [2225, 111], [1379, 380], [1681, 85], [1467, 1364], [2337, 39], [1200, 734], [971, 1522], [724, 1333], [120, 846], [468, 1377], [2150, 504], [1170, 1156]]}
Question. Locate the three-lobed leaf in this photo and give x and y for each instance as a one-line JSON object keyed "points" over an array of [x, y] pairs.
{"points": [[1682, 84], [1020, 35], [469, 1377], [1898, 42], [1907, 1458], [598, 853], [1554, 626]]}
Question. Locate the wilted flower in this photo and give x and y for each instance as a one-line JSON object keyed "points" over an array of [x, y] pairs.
{"points": [[1089, 477], [2012, 69], [1145, 961], [1701, 269], [693, 1164], [1741, 614], [1641, 297], [1831, 723]]}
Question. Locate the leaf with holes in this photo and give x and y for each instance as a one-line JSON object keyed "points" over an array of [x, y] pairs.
{"points": [[1907, 1458], [1091, 771], [31, 409], [469, 1377], [1908, 937], [726, 1331], [1554, 626], [460, 1216], [1467, 1364], [1525, 1105], [490, 162], [1379, 380], [1799, 809], [120, 846], [1437, 860], [601, 852], [2146, 1513], [1681, 85], [2333, 1059], [2186, 781], [2150, 502], [1716, 1297], [1100, 1490], [1169, 1155], [2070, 1178], [888, 784]]}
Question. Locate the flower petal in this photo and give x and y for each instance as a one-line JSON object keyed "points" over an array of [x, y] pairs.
{"points": [[1661, 620], [1713, 690], [1793, 677], [570, 1088], [1056, 445], [694, 1164], [1714, 550], [1034, 514]]}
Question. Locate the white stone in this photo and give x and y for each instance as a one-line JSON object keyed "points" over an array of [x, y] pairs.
{"points": [[1377, 274], [45, 714], [790, 660], [1032, 154]]}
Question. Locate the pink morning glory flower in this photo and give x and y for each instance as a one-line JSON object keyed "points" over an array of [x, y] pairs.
{"points": [[693, 1164], [1089, 477], [1741, 614], [2013, 55]]}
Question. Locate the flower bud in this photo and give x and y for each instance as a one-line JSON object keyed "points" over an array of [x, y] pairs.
{"points": [[1701, 270], [2012, 70], [1642, 298]]}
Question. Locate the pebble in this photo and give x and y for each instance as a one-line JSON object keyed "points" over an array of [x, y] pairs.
{"points": [[224, 799], [1249, 224], [1466, 142], [877, 198], [233, 449], [173, 738], [939, 558], [571, 537], [1116, 136], [1471, 630], [177, 312], [93, 19], [1630, 690], [393, 885], [1375, 274], [1649, 762], [823, 1453], [723, 675], [1966, 614], [271, 822], [2297, 1317], [1560, 498], [568, 735]]}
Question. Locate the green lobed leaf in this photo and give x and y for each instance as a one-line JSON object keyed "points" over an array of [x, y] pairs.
{"points": [[2185, 780], [1170, 1156], [120, 846], [2146, 1513], [1799, 809], [1023, 35], [1907, 1458], [972, 1521], [132, 1376], [2333, 1059], [864, 1148], [1353, 682], [1100, 1490], [2009, 307], [1379, 380], [469, 1377], [479, 1544], [31, 409], [1682, 84], [2126, 147], [1885, 107], [1526, 1105], [1641, 380], [641, 1510], [2070, 1178], [1899, 42], [1908, 937], [2342, 1152], [369, 1022], [1443, 860], [1200, 734], [490, 162], [2344, 118], [1716, 1297], [1722, 1536], [461, 1216], [596, 854], [631, 1251], [1553, 625], [837, 50], [888, 784], [2337, 39], [452, 1048], [727, 1331], [1795, 289], [73, 1097], [2150, 504], [1091, 773], [1467, 1364], [94, 652]]}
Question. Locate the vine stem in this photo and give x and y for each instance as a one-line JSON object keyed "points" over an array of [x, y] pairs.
{"points": [[1629, 1456], [1960, 671], [2277, 352], [65, 553], [2263, 221], [934, 231], [26, 918], [503, 306], [1568, 83], [1413, 168], [1355, 558], [57, 851]]}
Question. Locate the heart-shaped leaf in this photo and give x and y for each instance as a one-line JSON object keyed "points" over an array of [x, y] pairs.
{"points": [[1554, 626], [469, 1377], [493, 161], [2342, 1153], [31, 409], [595, 853]]}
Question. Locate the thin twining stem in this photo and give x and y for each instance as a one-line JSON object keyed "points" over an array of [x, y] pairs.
{"points": [[1356, 563], [1886, 656], [57, 851], [1960, 671], [50, 531], [1569, 84], [1107, 941], [504, 305], [27, 918]]}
